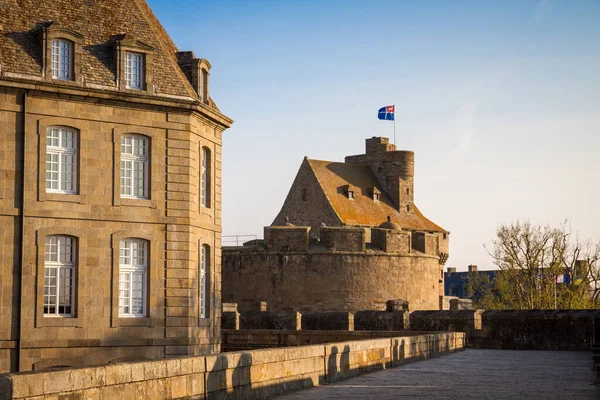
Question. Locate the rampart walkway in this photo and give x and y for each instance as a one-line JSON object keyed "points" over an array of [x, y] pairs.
{"points": [[473, 374]]}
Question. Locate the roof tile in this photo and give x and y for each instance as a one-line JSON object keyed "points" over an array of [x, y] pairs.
{"points": [[363, 210]]}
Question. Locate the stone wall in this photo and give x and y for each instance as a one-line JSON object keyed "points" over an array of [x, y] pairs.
{"points": [[325, 280], [538, 330], [516, 329], [241, 375]]}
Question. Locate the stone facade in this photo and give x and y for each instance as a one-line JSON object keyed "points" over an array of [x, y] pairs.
{"points": [[348, 237], [177, 121]]}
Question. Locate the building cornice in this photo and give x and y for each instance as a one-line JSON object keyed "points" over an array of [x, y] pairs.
{"points": [[160, 100]]}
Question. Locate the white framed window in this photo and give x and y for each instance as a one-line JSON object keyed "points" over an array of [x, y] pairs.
{"points": [[134, 70], [134, 166], [59, 276], [202, 278], [61, 160], [62, 59], [133, 271], [205, 178]]}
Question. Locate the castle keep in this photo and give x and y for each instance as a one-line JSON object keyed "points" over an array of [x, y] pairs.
{"points": [[348, 237], [110, 188]]}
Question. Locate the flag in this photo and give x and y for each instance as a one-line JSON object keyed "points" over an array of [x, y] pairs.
{"points": [[559, 278], [386, 113]]}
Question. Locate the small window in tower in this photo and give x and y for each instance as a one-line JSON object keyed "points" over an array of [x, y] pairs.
{"points": [[407, 191], [376, 196], [351, 194], [304, 194], [408, 207], [445, 236]]}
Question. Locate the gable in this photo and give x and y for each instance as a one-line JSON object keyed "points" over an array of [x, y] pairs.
{"points": [[306, 204]]}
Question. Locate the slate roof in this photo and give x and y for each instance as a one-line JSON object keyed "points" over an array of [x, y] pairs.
{"points": [[363, 210], [100, 22]]}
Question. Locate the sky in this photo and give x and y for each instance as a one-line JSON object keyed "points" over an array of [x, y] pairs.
{"points": [[500, 101]]}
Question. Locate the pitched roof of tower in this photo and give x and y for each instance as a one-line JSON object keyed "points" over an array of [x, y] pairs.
{"points": [[100, 23], [362, 210]]}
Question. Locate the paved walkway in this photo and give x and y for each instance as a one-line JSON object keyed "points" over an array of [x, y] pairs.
{"points": [[473, 374]]}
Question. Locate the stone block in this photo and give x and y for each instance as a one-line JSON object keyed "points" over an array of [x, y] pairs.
{"points": [[118, 374], [57, 381], [25, 385]]}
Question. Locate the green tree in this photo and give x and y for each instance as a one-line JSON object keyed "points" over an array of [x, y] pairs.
{"points": [[529, 257]]}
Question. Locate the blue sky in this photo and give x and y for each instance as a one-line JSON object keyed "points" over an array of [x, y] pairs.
{"points": [[499, 100]]}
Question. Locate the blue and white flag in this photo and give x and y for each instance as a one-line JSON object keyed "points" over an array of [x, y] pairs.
{"points": [[386, 113]]}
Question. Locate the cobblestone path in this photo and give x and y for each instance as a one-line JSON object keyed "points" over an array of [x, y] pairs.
{"points": [[472, 374]]}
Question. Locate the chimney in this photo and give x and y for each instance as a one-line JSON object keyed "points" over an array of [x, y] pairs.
{"points": [[472, 268], [451, 270], [197, 71]]}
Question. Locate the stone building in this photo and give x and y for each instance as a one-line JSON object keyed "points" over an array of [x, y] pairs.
{"points": [[110, 188], [348, 237]]}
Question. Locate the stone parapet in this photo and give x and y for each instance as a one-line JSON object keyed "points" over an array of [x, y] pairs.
{"points": [[391, 241], [286, 238], [468, 321], [253, 374], [537, 329], [381, 321], [329, 321], [343, 238], [280, 320]]}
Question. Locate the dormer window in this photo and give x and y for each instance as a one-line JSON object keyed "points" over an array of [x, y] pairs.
{"points": [[61, 53], [134, 69], [350, 191], [62, 59], [375, 194]]}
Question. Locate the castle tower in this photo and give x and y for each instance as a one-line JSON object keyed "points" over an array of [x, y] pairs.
{"points": [[394, 170]]}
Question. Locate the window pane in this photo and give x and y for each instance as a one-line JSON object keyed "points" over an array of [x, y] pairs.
{"points": [[59, 275], [61, 160], [134, 70], [204, 259], [132, 277], [61, 63], [134, 165]]}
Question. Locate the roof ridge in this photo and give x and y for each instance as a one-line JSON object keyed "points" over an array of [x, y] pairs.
{"points": [[165, 41]]}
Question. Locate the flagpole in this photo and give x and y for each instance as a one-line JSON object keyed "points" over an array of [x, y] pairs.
{"points": [[394, 125]]}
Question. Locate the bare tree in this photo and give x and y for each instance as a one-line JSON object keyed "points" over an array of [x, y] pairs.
{"points": [[529, 258]]}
